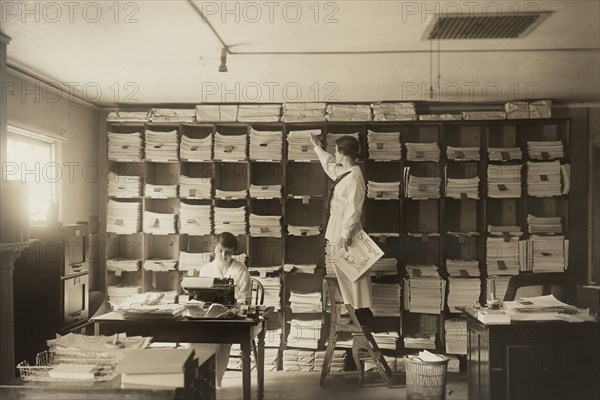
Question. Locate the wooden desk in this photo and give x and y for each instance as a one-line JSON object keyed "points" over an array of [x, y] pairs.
{"points": [[241, 331], [528, 360]]}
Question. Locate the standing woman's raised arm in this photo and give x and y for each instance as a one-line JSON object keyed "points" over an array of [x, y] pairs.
{"points": [[327, 160]]}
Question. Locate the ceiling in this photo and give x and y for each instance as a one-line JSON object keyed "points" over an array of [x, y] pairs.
{"points": [[162, 52]]}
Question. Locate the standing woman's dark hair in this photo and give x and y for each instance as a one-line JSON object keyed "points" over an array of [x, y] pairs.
{"points": [[227, 241], [348, 146]]}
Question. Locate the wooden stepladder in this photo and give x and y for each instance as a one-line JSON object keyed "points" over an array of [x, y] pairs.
{"points": [[364, 346]]}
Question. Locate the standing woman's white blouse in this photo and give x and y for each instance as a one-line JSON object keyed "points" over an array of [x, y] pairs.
{"points": [[344, 222], [237, 271]]}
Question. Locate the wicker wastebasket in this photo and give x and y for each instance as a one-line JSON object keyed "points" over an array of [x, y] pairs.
{"points": [[425, 379]]}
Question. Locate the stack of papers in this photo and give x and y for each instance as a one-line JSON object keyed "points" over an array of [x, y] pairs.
{"points": [[383, 190], [503, 255], [305, 302], [420, 341], [543, 178], [504, 181], [172, 115], [333, 137], [299, 146], [124, 186], [544, 224], [272, 343], [462, 292], [119, 265], [549, 253], [161, 146], [265, 225], [125, 146], [423, 152], [440, 117], [386, 340], [159, 223], [298, 360], [118, 293], [418, 187], [160, 191], [384, 266], [159, 264], [424, 291], [123, 217], [265, 191], [540, 109], [545, 150], [303, 112], [394, 111], [192, 262], [504, 153], [483, 115], [459, 188], [303, 230], [304, 334], [230, 220], [258, 112], [195, 219], [497, 285], [348, 112], [338, 360], [300, 268], [384, 145], [505, 230], [463, 267], [266, 145], [386, 299], [195, 188], [216, 113], [272, 286], [230, 147], [463, 153], [517, 109], [129, 116], [231, 194], [196, 149], [456, 335]]}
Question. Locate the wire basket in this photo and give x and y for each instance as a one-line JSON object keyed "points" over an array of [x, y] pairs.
{"points": [[425, 379], [47, 360]]}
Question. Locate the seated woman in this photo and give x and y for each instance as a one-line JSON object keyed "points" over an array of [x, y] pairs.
{"points": [[224, 266]]}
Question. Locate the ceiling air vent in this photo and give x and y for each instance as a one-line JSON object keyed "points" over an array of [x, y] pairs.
{"points": [[484, 26]]}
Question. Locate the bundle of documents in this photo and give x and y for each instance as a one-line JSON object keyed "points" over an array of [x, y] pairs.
{"points": [[230, 147], [235, 362], [230, 220], [517, 110], [338, 361], [231, 194], [216, 113], [463, 153], [119, 292], [420, 341], [440, 117], [497, 285], [463, 267], [544, 224], [195, 219], [462, 292], [195, 188], [298, 360], [384, 145], [394, 111], [123, 217], [462, 188], [456, 335], [266, 145], [545, 150], [272, 343], [304, 334], [504, 181], [300, 268], [192, 149], [265, 225], [118, 265], [73, 345], [271, 285], [167, 368], [258, 112], [422, 271], [386, 299], [423, 152], [161, 146], [265, 191], [483, 115], [504, 255], [124, 186], [305, 302], [129, 116], [348, 112], [160, 264], [160, 191], [418, 187], [550, 253], [299, 145], [540, 109], [424, 291], [159, 223], [333, 137], [383, 190], [504, 153], [192, 262], [303, 112], [384, 266], [164, 296], [386, 340], [543, 178], [172, 115], [302, 230], [505, 230], [125, 146]]}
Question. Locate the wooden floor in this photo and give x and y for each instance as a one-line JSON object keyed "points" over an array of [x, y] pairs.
{"points": [[305, 385]]}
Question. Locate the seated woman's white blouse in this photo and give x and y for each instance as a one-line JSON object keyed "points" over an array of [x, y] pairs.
{"points": [[237, 271]]}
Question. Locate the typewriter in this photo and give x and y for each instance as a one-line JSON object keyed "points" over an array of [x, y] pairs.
{"points": [[210, 290]]}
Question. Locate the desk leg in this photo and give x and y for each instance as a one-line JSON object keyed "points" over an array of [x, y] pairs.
{"points": [[260, 363], [246, 368]]}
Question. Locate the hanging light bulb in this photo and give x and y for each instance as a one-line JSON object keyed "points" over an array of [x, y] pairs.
{"points": [[223, 66]]}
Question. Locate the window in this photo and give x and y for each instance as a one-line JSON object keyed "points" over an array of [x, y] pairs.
{"points": [[31, 158]]}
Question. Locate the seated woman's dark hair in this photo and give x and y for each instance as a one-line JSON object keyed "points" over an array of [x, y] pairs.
{"points": [[227, 241], [348, 146]]}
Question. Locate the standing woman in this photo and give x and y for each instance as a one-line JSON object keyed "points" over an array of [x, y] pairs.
{"points": [[346, 202]]}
